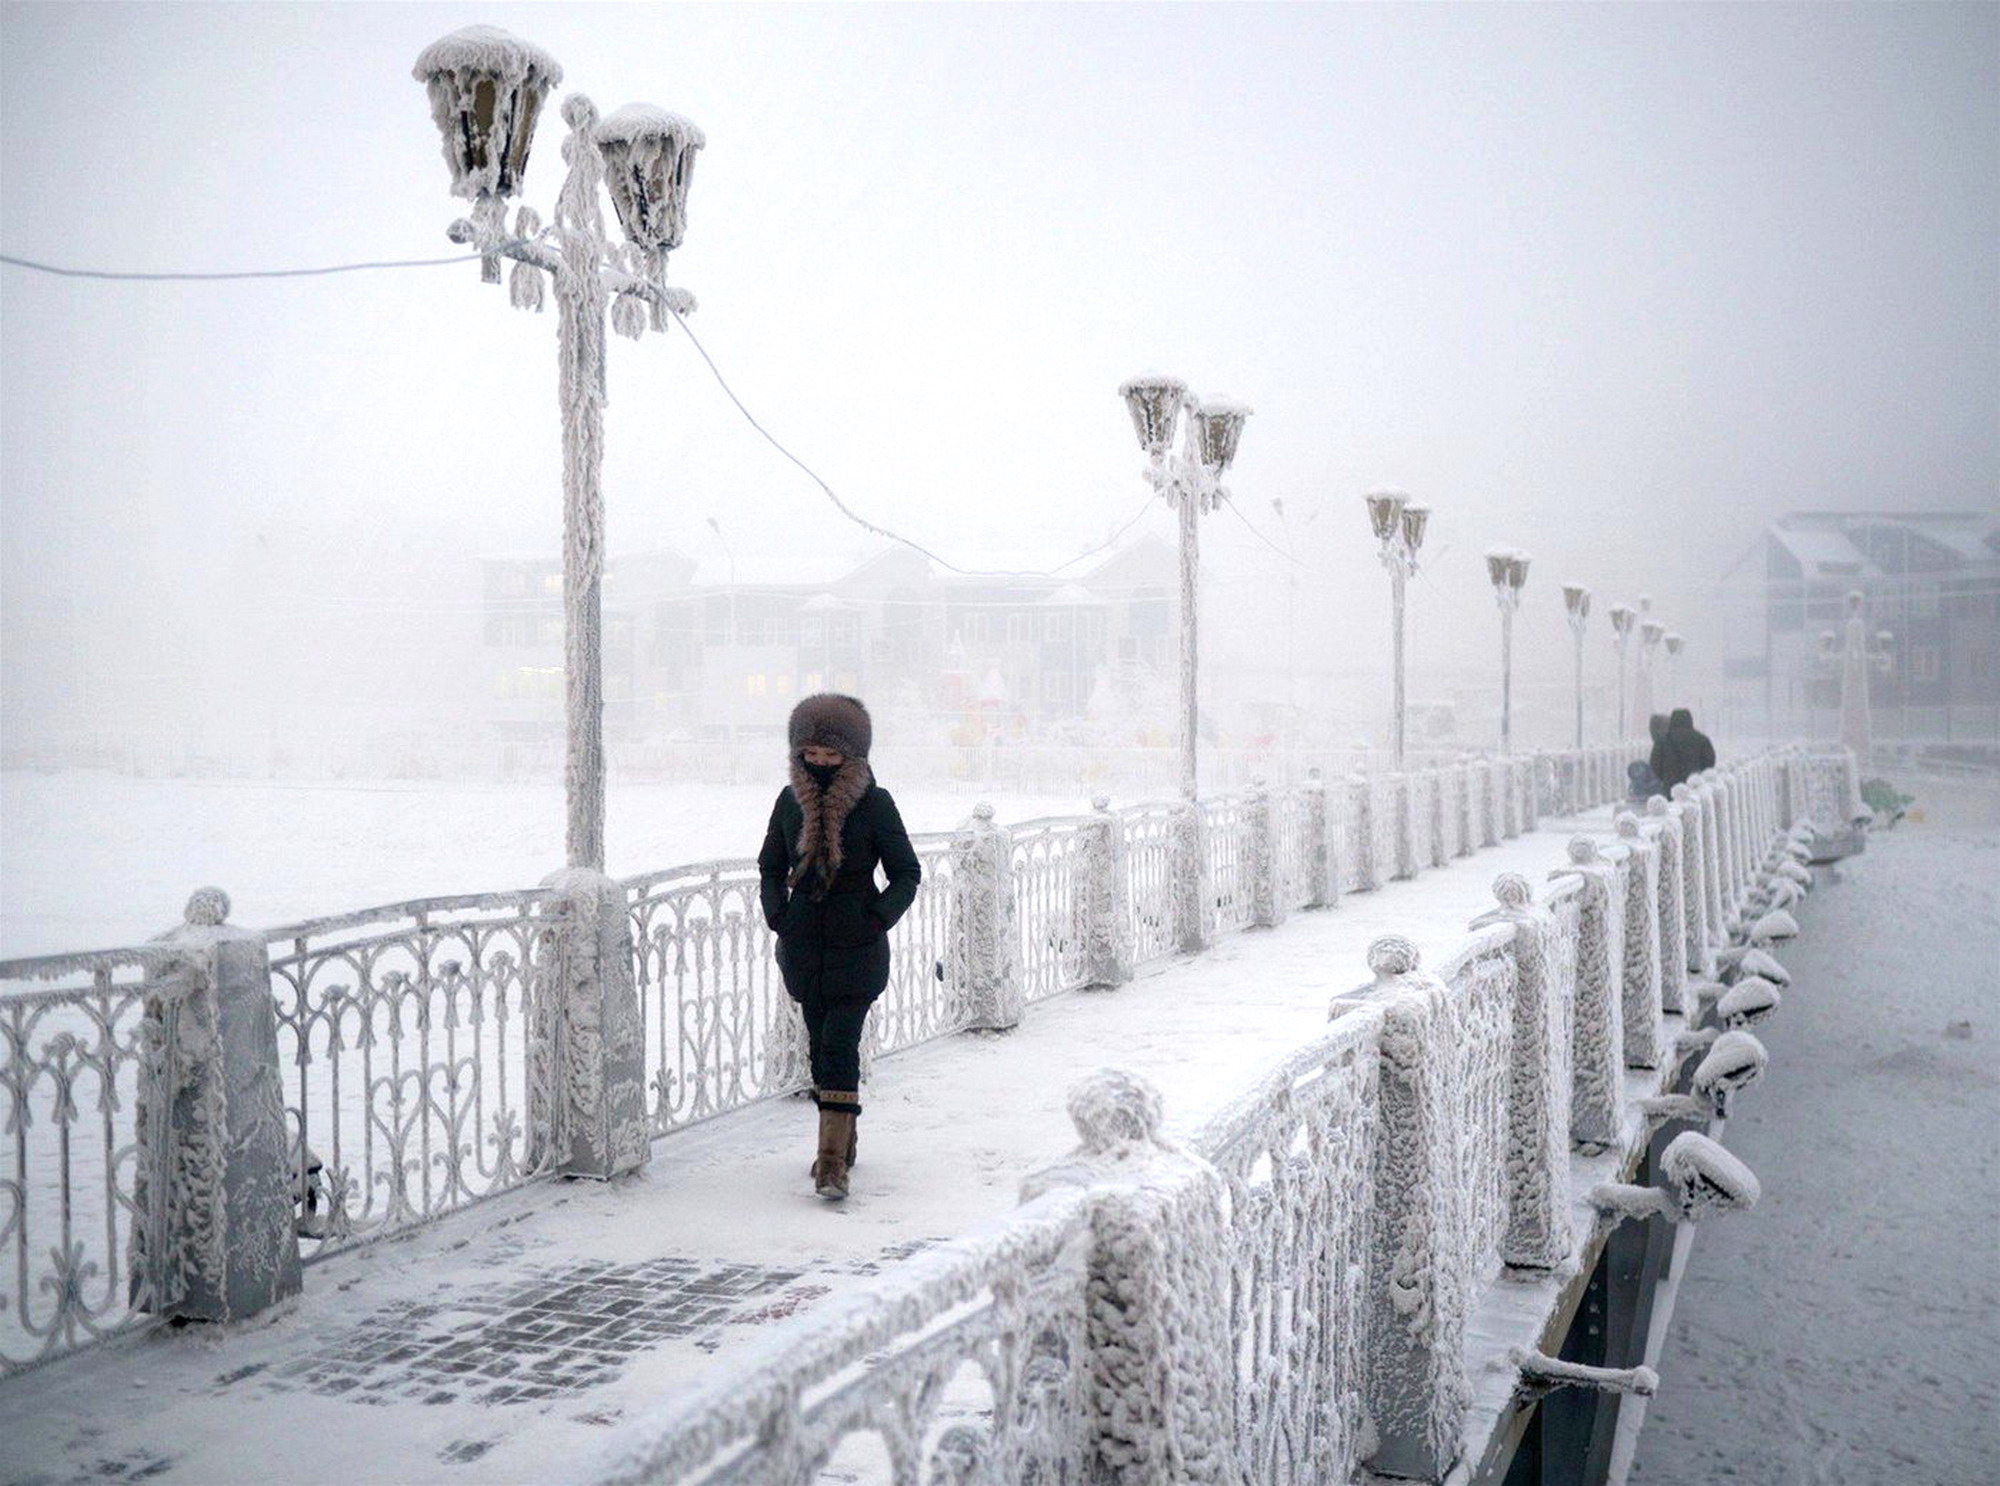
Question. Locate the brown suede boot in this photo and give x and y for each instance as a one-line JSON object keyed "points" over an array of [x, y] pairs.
{"points": [[853, 1140], [836, 1134]]}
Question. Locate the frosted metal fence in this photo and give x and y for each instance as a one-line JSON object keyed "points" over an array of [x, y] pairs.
{"points": [[91, 1063], [1230, 850], [405, 1044], [966, 1364], [1050, 903], [1151, 838]]}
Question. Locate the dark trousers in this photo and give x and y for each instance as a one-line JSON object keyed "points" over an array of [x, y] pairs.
{"points": [[833, 1028]]}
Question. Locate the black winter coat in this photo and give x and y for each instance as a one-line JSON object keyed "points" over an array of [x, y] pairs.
{"points": [[1686, 751], [833, 945]]}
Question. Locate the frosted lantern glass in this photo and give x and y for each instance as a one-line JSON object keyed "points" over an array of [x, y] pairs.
{"points": [[1415, 519], [1385, 512], [486, 89], [1218, 430], [1155, 404], [648, 165]]}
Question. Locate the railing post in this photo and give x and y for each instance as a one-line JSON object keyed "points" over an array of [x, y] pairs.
{"points": [[1192, 930], [587, 1076], [1642, 943], [1461, 788], [1266, 910], [986, 942], [1108, 890], [1537, 1234], [1322, 857], [1531, 804], [1695, 872], [215, 1236], [1161, 1385], [1416, 1383], [1361, 803], [1675, 938], [1597, 1042], [1406, 843], [1490, 807]]}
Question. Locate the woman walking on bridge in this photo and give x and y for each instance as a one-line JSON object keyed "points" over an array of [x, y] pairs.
{"points": [[830, 829]]}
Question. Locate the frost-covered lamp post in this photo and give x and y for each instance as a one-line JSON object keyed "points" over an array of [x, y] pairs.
{"points": [[1507, 567], [1576, 603], [1624, 619], [486, 90], [1857, 659], [1650, 633], [1191, 482], [1399, 527]]}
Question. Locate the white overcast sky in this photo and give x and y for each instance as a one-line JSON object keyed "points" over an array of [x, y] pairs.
{"points": [[1613, 283]]}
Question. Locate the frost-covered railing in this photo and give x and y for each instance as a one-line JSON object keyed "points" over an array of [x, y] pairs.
{"points": [[409, 1049], [91, 1058], [1289, 1297], [965, 1364]]}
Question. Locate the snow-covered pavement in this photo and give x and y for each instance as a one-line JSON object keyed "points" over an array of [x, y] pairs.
{"points": [[1847, 1333], [500, 1344]]}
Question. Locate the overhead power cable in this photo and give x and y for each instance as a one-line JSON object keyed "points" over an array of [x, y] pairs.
{"points": [[247, 273]]}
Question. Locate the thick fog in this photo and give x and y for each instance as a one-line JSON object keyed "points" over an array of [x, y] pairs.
{"points": [[1614, 285]]}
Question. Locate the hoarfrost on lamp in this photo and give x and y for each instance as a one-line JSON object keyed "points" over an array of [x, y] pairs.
{"points": [[486, 88], [1218, 429], [1750, 1001], [1701, 1178], [1155, 404], [1415, 519], [1385, 512]]}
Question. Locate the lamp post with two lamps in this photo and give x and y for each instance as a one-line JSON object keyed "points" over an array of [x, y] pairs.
{"points": [[1507, 568], [486, 91], [1190, 481], [1398, 525], [1624, 619], [1576, 604]]}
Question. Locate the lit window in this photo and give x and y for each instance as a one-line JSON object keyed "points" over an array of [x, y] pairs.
{"points": [[756, 684]]}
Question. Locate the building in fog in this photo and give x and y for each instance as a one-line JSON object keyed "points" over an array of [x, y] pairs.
{"points": [[1931, 581], [719, 650]]}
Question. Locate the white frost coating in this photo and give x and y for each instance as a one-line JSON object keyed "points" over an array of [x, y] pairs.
{"points": [[1598, 1031], [1107, 926], [1643, 1000], [1361, 818], [1748, 1002], [1419, 1277], [1193, 925], [1706, 1178], [1672, 909], [636, 121], [486, 89], [985, 941], [1776, 924], [1537, 1233], [1735, 1062], [1158, 1297]]}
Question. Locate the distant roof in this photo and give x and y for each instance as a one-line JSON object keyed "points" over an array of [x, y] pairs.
{"points": [[1823, 543]]}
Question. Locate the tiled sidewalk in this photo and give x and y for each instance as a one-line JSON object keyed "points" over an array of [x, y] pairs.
{"points": [[502, 1343]]}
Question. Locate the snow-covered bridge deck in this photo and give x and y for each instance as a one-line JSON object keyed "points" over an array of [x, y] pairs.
{"points": [[503, 1343]]}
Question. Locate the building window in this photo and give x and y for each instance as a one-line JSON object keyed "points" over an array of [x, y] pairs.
{"points": [[1017, 628], [1924, 663], [756, 684], [1055, 626]]}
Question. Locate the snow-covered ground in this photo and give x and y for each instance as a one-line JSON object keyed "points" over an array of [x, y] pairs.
{"points": [[1847, 1332], [89, 860]]}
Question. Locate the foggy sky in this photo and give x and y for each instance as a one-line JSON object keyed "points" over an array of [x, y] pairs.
{"points": [[1614, 284]]}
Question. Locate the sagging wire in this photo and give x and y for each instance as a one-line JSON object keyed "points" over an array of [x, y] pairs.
{"points": [[248, 273]]}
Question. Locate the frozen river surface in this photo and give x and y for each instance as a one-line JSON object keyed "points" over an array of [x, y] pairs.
{"points": [[1847, 1332], [90, 860]]}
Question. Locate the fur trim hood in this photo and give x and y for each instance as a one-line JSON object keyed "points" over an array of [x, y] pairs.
{"points": [[830, 720], [826, 811]]}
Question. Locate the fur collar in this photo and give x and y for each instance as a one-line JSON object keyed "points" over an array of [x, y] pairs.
{"points": [[826, 811]]}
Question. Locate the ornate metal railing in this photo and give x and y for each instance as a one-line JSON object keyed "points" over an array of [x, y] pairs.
{"points": [[1229, 849], [719, 1030], [967, 1363], [1050, 903], [1151, 840], [1297, 1152], [404, 1043], [1295, 851], [925, 998], [1479, 1036], [86, 1076]]}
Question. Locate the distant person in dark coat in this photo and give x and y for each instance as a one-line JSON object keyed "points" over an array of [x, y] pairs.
{"points": [[1657, 760], [1688, 750], [831, 827]]}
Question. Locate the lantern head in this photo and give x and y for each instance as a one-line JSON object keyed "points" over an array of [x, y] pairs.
{"points": [[1622, 618], [1650, 631], [1155, 404], [1218, 428], [1828, 642], [1517, 570], [648, 162], [1576, 599], [486, 89], [1385, 512], [1415, 519], [1674, 643]]}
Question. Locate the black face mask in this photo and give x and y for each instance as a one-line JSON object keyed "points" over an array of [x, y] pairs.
{"points": [[822, 774]]}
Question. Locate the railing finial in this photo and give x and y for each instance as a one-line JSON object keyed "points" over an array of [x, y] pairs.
{"points": [[207, 907]]}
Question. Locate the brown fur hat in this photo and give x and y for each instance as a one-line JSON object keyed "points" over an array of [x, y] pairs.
{"points": [[830, 720]]}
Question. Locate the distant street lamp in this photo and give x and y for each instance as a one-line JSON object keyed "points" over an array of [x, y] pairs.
{"points": [[486, 90], [1857, 659], [1191, 482], [1507, 567], [1674, 642], [1399, 527], [1576, 603], [1624, 619], [1651, 632]]}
